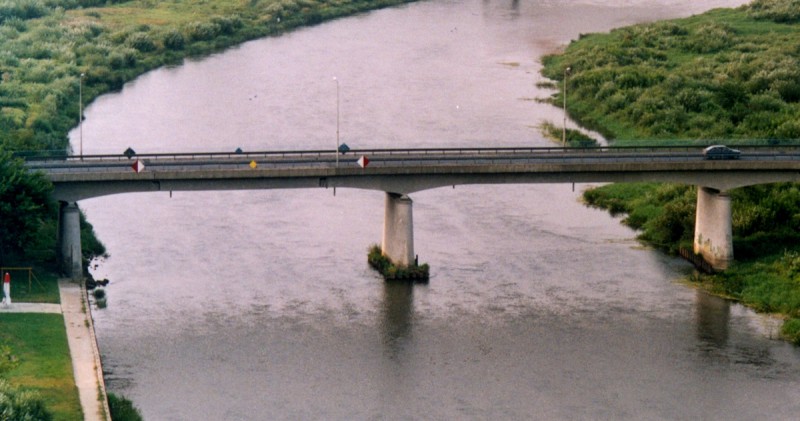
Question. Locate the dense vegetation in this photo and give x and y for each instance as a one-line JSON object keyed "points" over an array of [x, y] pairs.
{"points": [[727, 74], [392, 272], [122, 409]]}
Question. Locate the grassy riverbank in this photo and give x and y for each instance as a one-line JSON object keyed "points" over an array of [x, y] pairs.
{"points": [[728, 74]]}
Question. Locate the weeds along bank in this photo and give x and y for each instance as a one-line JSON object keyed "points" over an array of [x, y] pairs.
{"points": [[730, 74], [53, 51]]}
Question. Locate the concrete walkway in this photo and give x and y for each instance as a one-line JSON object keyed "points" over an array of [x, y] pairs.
{"points": [[82, 345]]}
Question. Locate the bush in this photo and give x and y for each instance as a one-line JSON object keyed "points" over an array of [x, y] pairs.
{"points": [[791, 331], [203, 31], [174, 40], [16, 405], [142, 42], [781, 11], [122, 409]]}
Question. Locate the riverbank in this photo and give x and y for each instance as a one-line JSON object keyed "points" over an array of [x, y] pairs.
{"points": [[725, 74], [57, 353]]}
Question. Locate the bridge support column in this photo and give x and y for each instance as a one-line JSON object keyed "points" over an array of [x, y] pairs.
{"points": [[69, 240], [713, 236], [398, 230]]}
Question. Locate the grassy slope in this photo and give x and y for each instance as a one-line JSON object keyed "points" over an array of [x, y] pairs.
{"points": [[719, 75]]}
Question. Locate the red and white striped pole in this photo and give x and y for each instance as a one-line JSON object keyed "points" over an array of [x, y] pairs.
{"points": [[7, 289]]}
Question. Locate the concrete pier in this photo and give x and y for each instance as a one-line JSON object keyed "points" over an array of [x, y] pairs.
{"points": [[69, 240], [713, 236], [398, 230]]}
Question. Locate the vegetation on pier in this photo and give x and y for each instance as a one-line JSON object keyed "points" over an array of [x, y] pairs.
{"points": [[729, 74], [392, 272]]}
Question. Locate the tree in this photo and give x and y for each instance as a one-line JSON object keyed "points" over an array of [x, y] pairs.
{"points": [[24, 203]]}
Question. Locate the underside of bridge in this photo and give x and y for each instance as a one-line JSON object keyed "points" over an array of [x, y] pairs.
{"points": [[713, 237]]}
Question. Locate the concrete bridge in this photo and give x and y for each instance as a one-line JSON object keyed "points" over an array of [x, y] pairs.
{"points": [[400, 172]]}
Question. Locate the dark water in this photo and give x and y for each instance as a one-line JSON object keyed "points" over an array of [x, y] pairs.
{"points": [[260, 305]]}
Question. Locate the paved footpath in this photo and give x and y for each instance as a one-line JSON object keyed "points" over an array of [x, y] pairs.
{"points": [[82, 345]]}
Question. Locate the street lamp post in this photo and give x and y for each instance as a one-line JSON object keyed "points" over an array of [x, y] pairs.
{"points": [[337, 121], [564, 127], [80, 111]]}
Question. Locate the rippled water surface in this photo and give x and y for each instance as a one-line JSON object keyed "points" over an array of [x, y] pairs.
{"points": [[259, 305]]}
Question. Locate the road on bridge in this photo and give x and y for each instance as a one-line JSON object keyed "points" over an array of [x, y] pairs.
{"points": [[439, 157]]}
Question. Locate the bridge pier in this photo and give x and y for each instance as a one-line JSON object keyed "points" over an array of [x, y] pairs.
{"points": [[69, 240], [713, 231], [398, 230]]}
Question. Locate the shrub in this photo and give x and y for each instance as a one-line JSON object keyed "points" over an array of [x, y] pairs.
{"points": [[203, 31], [781, 11], [122, 409], [174, 40], [16, 405], [141, 41], [791, 331], [227, 24], [7, 361]]}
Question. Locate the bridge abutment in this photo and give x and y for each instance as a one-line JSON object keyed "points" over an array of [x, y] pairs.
{"points": [[713, 231], [398, 230], [69, 240]]}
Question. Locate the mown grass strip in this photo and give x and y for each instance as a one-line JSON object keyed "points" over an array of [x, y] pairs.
{"points": [[39, 342]]}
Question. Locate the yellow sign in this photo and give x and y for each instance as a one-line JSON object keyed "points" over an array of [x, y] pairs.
{"points": [[253, 164]]}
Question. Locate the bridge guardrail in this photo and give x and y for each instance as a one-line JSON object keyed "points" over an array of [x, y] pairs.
{"points": [[385, 157], [62, 156]]}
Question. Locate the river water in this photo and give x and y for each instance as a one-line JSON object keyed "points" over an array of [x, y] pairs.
{"points": [[259, 305]]}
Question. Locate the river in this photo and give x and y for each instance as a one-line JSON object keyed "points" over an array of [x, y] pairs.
{"points": [[259, 305]]}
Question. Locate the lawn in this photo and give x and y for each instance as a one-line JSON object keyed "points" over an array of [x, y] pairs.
{"points": [[39, 342]]}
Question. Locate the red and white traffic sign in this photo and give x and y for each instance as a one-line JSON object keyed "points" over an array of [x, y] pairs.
{"points": [[363, 161], [138, 166]]}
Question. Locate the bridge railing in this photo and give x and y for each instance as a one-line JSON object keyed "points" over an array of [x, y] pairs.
{"points": [[39, 156]]}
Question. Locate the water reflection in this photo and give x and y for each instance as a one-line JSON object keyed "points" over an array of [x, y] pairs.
{"points": [[712, 319], [396, 318]]}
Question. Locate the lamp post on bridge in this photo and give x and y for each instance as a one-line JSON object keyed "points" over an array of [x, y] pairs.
{"points": [[80, 112], [564, 127], [336, 151]]}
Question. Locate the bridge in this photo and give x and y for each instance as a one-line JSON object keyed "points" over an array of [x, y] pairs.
{"points": [[400, 172]]}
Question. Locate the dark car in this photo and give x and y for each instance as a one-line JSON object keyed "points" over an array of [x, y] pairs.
{"points": [[721, 152]]}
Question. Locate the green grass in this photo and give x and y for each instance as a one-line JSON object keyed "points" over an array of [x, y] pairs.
{"points": [[39, 342], [42, 287]]}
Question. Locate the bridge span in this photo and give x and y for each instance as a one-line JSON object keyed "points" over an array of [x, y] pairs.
{"points": [[400, 172]]}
